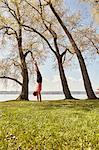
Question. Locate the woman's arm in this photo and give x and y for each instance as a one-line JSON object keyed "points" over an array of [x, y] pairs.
{"points": [[37, 69]]}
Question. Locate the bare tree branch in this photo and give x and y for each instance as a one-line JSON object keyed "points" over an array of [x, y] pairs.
{"points": [[93, 44], [50, 24], [4, 77], [32, 6], [52, 32], [34, 30], [17, 64], [28, 53], [7, 30], [64, 52], [12, 12]]}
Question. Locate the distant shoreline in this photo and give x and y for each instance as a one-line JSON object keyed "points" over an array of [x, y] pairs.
{"points": [[44, 92]]}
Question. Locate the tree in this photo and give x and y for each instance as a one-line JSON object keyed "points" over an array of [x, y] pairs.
{"points": [[42, 22], [16, 63], [85, 75], [86, 79], [87, 83], [48, 34], [94, 5]]}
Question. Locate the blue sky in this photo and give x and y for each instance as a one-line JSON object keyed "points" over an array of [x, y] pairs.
{"points": [[73, 73], [51, 79]]}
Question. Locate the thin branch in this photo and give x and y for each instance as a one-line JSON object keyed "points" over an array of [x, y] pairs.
{"points": [[7, 28], [48, 28], [17, 64], [32, 6], [4, 77], [7, 32], [64, 52], [12, 12], [52, 32], [64, 59], [31, 29], [41, 7], [93, 44], [66, 49], [40, 13], [48, 2], [68, 59], [28, 53], [64, 28], [71, 52]]}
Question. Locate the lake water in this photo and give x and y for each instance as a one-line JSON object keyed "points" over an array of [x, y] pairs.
{"points": [[5, 96]]}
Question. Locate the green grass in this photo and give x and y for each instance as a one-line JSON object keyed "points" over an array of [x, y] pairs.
{"points": [[50, 125]]}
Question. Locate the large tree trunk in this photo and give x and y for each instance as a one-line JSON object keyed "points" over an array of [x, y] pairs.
{"points": [[24, 92], [86, 79], [65, 87], [87, 83]]}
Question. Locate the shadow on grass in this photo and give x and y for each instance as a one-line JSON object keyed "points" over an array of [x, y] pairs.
{"points": [[86, 105]]}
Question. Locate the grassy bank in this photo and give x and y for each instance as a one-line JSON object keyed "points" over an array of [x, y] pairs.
{"points": [[50, 125]]}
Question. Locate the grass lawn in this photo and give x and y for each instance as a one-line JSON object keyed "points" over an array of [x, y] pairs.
{"points": [[49, 125]]}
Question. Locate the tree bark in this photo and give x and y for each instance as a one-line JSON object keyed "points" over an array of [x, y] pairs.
{"points": [[24, 92], [86, 79], [65, 87]]}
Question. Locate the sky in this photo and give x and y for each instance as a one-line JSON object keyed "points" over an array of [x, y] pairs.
{"points": [[51, 79]]}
